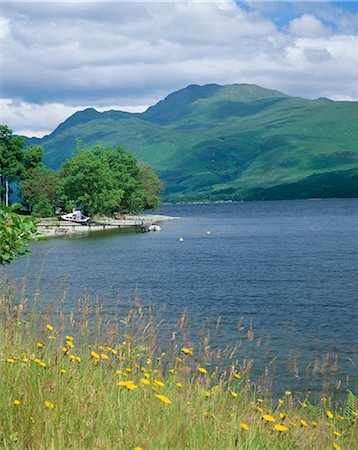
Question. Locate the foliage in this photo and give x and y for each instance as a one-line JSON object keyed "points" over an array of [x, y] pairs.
{"points": [[43, 207], [40, 183], [104, 181], [226, 142], [74, 381], [151, 185], [15, 233]]}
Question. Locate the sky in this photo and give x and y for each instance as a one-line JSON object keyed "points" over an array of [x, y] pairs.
{"points": [[60, 57]]}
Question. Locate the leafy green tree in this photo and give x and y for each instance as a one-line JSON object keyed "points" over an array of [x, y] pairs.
{"points": [[11, 155], [43, 207], [32, 157], [103, 181], [16, 232], [40, 182], [151, 185]]}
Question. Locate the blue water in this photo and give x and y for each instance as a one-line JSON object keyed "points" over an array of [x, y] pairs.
{"points": [[290, 267]]}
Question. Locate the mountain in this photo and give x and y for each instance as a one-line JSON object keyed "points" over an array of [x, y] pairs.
{"points": [[229, 142]]}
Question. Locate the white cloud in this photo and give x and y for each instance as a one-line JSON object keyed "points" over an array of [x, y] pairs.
{"points": [[307, 26], [59, 57]]}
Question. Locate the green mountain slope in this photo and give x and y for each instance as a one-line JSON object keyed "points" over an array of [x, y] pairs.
{"points": [[230, 142]]}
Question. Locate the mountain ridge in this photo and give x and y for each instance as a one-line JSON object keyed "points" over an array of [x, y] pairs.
{"points": [[227, 142]]}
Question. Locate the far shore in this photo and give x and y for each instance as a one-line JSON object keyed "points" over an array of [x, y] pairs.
{"points": [[54, 227]]}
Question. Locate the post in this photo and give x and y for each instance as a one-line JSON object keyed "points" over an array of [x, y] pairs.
{"points": [[6, 193]]}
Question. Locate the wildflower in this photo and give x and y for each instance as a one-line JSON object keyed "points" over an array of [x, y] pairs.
{"points": [[163, 398], [37, 360], [336, 433], [280, 428], [42, 364], [293, 424], [177, 359], [158, 383], [268, 418], [314, 424], [303, 423], [52, 338], [244, 426], [10, 360], [187, 351], [146, 375], [104, 356], [288, 393], [237, 375], [95, 355], [69, 344], [207, 394], [69, 338], [202, 370], [259, 400], [62, 371], [138, 448], [179, 385], [354, 414], [336, 446], [130, 385], [280, 402], [40, 345], [340, 417], [49, 405], [49, 327], [304, 405], [114, 352], [260, 409], [329, 424], [283, 416], [145, 381], [149, 361], [64, 350], [329, 415], [172, 371], [78, 359], [25, 360], [17, 402], [234, 394]]}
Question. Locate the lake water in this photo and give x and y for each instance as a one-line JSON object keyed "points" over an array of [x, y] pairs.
{"points": [[290, 267]]}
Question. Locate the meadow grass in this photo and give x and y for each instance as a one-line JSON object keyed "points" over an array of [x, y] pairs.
{"points": [[75, 382]]}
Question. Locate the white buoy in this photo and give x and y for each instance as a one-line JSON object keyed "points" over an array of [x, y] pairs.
{"points": [[181, 239], [208, 232]]}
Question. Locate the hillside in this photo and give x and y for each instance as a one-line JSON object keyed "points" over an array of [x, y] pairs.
{"points": [[230, 142]]}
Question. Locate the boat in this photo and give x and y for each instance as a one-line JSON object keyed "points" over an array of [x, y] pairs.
{"points": [[154, 228], [76, 216]]}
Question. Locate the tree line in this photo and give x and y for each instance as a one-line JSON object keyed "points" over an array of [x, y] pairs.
{"points": [[98, 180]]}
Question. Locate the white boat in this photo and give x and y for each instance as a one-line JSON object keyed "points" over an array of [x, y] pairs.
{"points": [[154, 228], [76, 216]]}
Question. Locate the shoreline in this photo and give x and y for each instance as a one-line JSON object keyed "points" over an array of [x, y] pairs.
{"points": [[53, 227]]}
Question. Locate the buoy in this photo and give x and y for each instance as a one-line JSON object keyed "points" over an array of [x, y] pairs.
{"points": [[208, 232], [181, 239]]}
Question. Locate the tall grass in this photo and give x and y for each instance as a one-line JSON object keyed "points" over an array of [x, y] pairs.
{"points": [[80, 381]]}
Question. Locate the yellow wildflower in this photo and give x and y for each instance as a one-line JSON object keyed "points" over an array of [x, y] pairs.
{"points": [[70, 344], [37, 361], [202, 370], [145, 381], [62, 371], [259, 409], [10, 360], [207, 394], [42, 364], [259, 400], [52, 338], [329, 424], [163, 398], [95, 355], [64, 350], [244, 426], [17, 402], [268, 418], [288, 393], [336, 433], [329, 415], [158, 383], [283, 416], [303, 423], [78, 359], [149, 361], [237, 375], [104, 356], [187, 351], [336, 446], [280, 402], [147, 375], [40, 345], [234, 394], [304, 405], [280, 428], [69, 338], [293, 424], [172, 371], [179, 385], [138, 448], [314, 424], [49, 327], [25, 360], [49, 405]]}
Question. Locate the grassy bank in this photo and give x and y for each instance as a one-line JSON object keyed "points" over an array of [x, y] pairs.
{"points": [[73, 382]]}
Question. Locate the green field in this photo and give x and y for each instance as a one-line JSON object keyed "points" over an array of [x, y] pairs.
{"points": [[229, 143]]}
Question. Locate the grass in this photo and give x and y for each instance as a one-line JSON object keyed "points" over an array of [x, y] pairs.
{"points": [[76, 382]]}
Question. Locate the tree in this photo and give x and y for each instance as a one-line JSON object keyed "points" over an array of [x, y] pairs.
{"points": [[103, 181], [15, 233], [40, 182], [10, 158], [151, 185]]}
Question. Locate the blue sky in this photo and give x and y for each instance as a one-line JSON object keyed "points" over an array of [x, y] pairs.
{"points": [[59, 57]]}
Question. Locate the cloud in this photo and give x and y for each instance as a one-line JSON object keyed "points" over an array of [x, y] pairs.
{"points": [[58, 57]]}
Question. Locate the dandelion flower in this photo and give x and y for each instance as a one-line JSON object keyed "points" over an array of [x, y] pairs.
{"points": [[336, 433], [17, 402], [303, 423], [288, 393], [259, 400], [233, 394], [10, 360], [49, 327], [293, 424], [158, 383], [268, 418], [62, 371], [187, 351], [237, 375], [69, 338], [280, 428], [336, 446], [104, 356], [52, 338], [260, 409], [179, 385], [138, 448], [163, 398], [329, 415], [172, 371], [64, 350], [202, 370], [95, 355], [25, 360], [147, 375], [40, 345], [70, 344], [244, 426], [329, 424], [145, 381], [304, 405], [283, 416], [207, 394], [49, 405], [280, 402], [314, 424]]}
